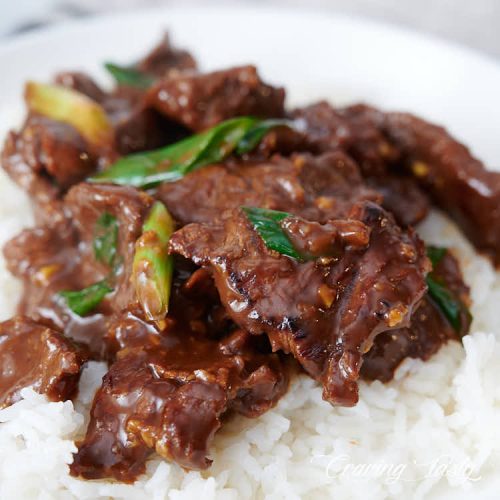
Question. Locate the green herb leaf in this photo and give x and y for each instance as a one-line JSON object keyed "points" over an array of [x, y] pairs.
{"points": [[449, 305], [153, 267], [267, 224], [453, 309], [253, 137], [83, 301], [105, 245], [173, 162], [129, 76], [436, 254], [106, 239]]}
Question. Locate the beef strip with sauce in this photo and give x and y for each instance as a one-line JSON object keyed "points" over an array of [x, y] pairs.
{"points": [[46, 157], [137, 126], [200, 101], [50, 259], [175, 396], [413, 152], [33, 355], [164, 58], [178, 383], [428, 331], [194, 303], [358, 134], [457, 182], [316, 187], [326, 312]]}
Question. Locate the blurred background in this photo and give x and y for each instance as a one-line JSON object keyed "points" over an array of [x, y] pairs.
{"points": [[474, 23]]}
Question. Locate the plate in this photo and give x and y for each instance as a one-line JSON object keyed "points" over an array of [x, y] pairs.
{"points": [[314, 55]]}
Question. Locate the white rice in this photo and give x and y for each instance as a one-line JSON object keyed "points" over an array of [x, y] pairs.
{"points": [[433, 432]]}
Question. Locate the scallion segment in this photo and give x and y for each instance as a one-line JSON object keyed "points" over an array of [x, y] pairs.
{"points": [[153, 266], [128, 76], [71, 107], [84, 301], [267, 223], [106, 239], [449, 304], [171, 163]]}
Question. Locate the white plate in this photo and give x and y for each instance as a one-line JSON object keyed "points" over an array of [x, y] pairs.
{"points": [[313, 54]]}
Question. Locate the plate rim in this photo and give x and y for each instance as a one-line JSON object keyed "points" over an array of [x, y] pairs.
{"points": [[11, 44]]}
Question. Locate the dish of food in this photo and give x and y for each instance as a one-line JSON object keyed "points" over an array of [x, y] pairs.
{"points": [[282, 300]]}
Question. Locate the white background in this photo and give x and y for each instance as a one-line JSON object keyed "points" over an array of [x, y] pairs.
{"points": [[475, 23]]}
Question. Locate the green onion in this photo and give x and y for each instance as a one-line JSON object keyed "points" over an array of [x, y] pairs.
{"points": [[71, 107], [153, 267], [106, 239], [436, 254], [451, 306], [129, 76], [448, 304], [171, 163], [255, 135], [83, 301], [105, 247], [267, 224]]}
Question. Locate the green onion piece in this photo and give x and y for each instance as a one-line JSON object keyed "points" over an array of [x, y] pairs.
{"points": [[253, 137], [105, 245], [171, 163], [267, 224], [83, 301], [106, 239], [129, 76], [436, 254], [449, 305], [452, 307], [71, 107], [152, 267]]}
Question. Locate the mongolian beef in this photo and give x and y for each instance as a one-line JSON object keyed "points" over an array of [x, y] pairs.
{"points": [[208, 243]]}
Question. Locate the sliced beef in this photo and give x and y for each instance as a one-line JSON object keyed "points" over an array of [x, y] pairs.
{"points": [[137, 126], [165, 58], [85, 204], [82, 83], [138, 411], [170, 398], [33, 355], [194, 304], [59, 257], [356, 130], [402, 197], [46, 157], [403, 145], [327, 311], [317, 188], [200, 101], [283, 140], [458, 182], [428, 331]]}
